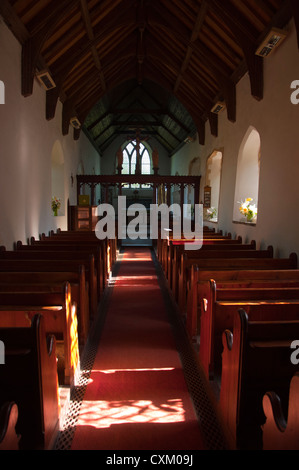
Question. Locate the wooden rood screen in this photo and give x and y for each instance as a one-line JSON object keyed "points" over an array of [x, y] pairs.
{"points": [[154, 181]]}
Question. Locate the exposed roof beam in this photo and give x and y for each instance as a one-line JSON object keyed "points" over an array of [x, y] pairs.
{"points": [[194, 35], [32, 47], [90, 34]]}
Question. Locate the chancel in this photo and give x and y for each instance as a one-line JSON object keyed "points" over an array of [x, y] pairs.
{"points": [[158, 342]]}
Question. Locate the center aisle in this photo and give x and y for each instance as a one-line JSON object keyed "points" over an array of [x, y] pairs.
{"points": [[136, 395]]}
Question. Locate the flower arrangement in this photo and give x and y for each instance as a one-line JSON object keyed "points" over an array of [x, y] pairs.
{"points": [[212, 213], [248, 209], [56, 204]]}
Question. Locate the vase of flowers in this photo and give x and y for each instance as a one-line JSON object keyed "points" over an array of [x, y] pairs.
{"points": [[248, 209], [212, 213], [56, 203]]}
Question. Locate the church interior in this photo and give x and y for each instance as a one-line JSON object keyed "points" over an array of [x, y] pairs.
{"points": [[149, 281]]}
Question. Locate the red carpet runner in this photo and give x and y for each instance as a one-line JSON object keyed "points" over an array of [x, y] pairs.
{"points": [[137, 398]]}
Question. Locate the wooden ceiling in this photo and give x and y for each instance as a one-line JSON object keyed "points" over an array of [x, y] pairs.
{"points": [[156, 66]]}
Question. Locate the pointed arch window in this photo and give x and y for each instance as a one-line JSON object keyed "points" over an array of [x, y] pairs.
{"points": [[213, 180], [248, 172], [129, 162]]}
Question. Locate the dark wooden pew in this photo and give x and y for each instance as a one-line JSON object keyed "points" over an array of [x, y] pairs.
{"points": [[256, 358], [205, 291], [219, 315], [29, 378], [101, 259], [281, 430], [9, 440], [100, 262], [36, 281], [181, 272], [108, 247], [177, 247], [170, 243], [60, 318], [55, 265], [174, 257], [234, 263], [163, 238]]}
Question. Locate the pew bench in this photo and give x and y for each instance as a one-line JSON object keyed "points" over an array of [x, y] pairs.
{"points": [[199, 258], [39, 281], [256, 359], [100, 261], [192, 267], [170, 243], [108, 247], [221, 316], [54, 265], [60, 318], [29, 379], [208, 291], [176, 252]]}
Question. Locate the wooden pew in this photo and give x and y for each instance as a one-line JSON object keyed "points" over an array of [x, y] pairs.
{"points": [[174, 260], [256, 358], [54, 265], [60, 317], [77, 248], [168, 241], [219, 316], [164, 238], [29, 378], [9, 440], [234, 263], [281, 431], [181, 268], [36, 281], [107, 247], [228, 259], [207, 239], [101, 260], [204, 293], [177, 247]]}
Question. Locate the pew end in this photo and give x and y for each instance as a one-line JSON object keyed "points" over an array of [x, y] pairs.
{"points": [[9, 439], [29, 378], [279, 432], [255, 358]]}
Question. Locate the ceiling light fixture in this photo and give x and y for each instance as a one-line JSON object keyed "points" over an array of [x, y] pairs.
{"points": [[271, 41], [218, 107], [46, 80], [75, 122]]}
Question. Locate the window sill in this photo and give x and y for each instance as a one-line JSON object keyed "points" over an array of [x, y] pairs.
{"points": [[212, 221], [244, 223]]}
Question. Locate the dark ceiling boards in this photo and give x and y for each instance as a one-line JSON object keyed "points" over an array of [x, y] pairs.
{"points": [[157, 67]]}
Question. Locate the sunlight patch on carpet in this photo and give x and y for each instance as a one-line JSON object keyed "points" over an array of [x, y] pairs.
{"points": [[103, 414], [113, 371]]}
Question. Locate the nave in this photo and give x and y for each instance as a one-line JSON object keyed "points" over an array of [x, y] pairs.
{"points": [[141, 387], [140, 348]]}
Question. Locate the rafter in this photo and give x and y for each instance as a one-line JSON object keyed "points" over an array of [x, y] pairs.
{"points": [[245, 36], [122, 53], [33, 45], [90, 34], [194, 35]]}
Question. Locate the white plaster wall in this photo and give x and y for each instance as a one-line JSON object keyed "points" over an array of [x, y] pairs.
{"points": [[26, 143], [277, 121]]}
